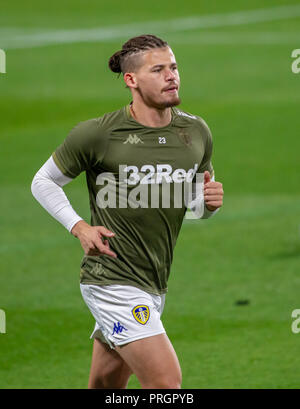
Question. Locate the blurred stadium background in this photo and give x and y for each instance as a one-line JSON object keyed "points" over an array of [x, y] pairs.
{"points": [[235, 278]]}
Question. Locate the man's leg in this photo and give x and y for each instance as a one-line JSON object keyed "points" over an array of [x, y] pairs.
{"points": [[108, 369], [154, 362]]}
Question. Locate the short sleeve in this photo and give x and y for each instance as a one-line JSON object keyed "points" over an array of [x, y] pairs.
{"points": [[75, 154], [206, 163]]}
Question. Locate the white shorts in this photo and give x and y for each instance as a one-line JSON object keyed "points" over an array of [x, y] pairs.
{"points": [[123, 313]]}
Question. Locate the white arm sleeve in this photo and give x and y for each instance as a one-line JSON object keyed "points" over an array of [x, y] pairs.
{"points": [[46, 187], [208, 213]]}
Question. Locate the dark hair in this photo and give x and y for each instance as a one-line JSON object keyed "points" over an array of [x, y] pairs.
{"points": [[121, 61]]}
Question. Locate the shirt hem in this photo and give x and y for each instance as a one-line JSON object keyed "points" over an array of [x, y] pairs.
{"points": [[140, 336], [127, 282]]}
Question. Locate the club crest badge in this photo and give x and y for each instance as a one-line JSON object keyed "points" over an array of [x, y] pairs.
{"points": [[141, 313], [185, 137]]}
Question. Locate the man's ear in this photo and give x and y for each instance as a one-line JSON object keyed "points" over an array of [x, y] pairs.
{"points": [[130, 79]]}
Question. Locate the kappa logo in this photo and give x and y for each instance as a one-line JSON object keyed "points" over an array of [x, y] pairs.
{"points": [[133, 138], [141, 313], [118, 328]]}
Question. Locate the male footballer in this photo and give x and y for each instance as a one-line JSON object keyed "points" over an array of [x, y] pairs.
{"points": [[128, 245]]}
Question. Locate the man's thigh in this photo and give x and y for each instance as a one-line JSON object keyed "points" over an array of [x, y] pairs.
{"points": [[108, 369], [130, 323], [154, 361]]}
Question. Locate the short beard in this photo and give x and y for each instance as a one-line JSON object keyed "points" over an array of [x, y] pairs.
{"points": [[162, 105], [174, 103]]}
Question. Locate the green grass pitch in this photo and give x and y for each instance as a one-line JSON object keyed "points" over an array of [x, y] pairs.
{"points": [[239, 79]]}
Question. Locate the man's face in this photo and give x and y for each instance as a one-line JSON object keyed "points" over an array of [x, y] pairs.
{"points": [[158, 79]]}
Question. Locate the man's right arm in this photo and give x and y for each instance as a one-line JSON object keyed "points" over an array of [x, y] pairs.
{"points": [[47, 189]]}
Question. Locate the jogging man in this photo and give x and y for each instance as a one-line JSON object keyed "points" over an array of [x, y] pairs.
{"points": [[136, 160]]}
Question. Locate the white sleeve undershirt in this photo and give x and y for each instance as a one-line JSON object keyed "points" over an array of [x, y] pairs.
{"points": [[198, 207], [46, 187]]}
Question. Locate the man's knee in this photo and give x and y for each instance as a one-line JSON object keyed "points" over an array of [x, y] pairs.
{"points": [[115, 377]]}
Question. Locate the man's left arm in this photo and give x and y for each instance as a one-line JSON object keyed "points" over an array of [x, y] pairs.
{"points": [[213, 195], [212, 190]]}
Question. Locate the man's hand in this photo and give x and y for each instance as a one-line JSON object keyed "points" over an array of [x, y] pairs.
{"points": [[92, 239], [213, 193]]}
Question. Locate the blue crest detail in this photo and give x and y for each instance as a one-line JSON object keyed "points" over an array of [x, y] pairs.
{"points": [[141, 313]]}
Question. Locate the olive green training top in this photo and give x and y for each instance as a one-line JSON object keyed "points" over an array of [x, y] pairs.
{"points": [[118, 153]]}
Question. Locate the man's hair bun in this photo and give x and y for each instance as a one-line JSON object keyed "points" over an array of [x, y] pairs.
{"points": [[114, 62]]}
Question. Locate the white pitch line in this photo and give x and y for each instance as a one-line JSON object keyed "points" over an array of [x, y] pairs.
{"points": [[20, 39], [255, 38]]}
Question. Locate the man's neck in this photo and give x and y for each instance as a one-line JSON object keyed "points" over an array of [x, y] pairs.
{"points": [[150, 116]]}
